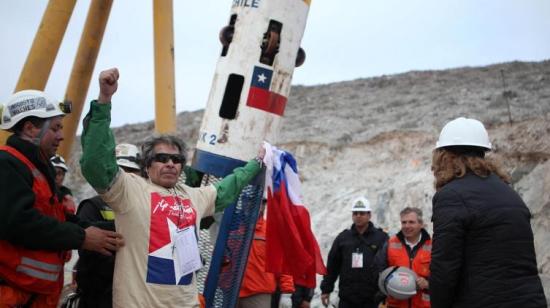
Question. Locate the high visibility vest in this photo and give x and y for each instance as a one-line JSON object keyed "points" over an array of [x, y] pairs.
{"points": [[398, 256], [36, 271]]}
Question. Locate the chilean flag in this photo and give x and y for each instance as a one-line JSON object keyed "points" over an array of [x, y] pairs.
{"points": [[168, 214], [291, 247], [259, 95]]}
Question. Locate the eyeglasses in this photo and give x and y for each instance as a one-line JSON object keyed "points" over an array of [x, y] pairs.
{"points": [[360, 213], [164, 158]]}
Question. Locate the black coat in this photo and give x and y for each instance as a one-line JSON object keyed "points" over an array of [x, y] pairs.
{"points": [[356, 284], [482, 250], [20, 223], [94, 271]]}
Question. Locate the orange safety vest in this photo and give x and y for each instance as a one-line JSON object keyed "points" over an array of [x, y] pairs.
{"points": [[398, 256], [34, 271]]}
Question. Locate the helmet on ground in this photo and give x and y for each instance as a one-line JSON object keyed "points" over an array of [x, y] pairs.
{"points": [[360, 204], [398, 282], [127, 155], [28, 103], [59, 162], [464, 132]]}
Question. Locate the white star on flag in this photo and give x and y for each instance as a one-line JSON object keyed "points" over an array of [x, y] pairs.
{"points": [[167, 251], [262, 78]]}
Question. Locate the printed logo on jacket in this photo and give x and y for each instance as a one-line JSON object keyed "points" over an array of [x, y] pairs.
{"points": [[168, 214]]}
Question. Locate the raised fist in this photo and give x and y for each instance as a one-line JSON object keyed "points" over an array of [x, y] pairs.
{"points": [[108, 84]]}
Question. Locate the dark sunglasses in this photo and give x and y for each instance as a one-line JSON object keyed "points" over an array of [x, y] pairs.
{"points": [[164, 158], [360, 213]]}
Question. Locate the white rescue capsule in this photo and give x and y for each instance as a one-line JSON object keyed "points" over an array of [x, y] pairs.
{"points": [[260, 49]]}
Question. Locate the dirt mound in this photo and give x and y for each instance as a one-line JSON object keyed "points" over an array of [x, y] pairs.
{"points": [[374, 137]]}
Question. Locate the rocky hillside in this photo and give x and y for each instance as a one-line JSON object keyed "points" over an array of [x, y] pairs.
{"points": [[374, 137]]}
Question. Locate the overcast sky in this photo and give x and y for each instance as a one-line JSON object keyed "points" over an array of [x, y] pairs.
{"points": [[344, 40]]}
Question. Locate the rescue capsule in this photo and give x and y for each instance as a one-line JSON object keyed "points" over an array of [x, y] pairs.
{"points": [[260, 49]]}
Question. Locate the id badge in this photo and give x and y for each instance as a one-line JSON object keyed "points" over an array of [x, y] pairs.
{"points": [[357, 260], [187, 251]]}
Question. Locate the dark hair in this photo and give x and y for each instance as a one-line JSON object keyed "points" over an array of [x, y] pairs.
{"points": [[415, 210], [147, 150], [455, 162], [35, 121]]}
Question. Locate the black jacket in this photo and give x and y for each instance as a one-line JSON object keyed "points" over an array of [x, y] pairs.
{"points": [[20, 223], [482, 250], [356, 284], [94, 271]]}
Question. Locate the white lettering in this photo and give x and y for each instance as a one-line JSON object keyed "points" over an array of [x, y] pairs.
{"points": [[162, 204]]}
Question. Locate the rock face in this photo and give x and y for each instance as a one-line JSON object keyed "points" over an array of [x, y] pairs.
{"points": [[374, 137]]}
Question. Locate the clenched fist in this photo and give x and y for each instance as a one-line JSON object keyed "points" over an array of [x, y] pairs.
{"points": [[108, 84]]}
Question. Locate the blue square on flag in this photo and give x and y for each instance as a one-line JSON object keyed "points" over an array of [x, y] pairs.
{"points": [[261, 77]]}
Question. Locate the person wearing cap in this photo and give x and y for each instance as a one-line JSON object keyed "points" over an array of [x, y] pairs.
{"points": [[483, 253], [411, 247], [94, 272], [35, 230], [65, 194], [158, 215], [351, 258]]}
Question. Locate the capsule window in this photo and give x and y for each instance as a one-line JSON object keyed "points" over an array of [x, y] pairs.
{"points": [[270, 42], [231, 96], [226, 34]]}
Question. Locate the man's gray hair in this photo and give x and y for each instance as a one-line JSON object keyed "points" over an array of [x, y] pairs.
{"points": [[148, 149], [415, 210]]}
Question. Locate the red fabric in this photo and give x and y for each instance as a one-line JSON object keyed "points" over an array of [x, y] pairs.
{"points": [[69, 204], [398, 256], [11, 297], [291, 246], [12, 256], [256, 280], [266, 100]]}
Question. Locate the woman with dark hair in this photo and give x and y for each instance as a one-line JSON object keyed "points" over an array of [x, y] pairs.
{"points": [[483, 253]]}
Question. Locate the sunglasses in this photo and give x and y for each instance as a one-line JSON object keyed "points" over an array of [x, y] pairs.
{"points": [[164, 158], [360, 213]]}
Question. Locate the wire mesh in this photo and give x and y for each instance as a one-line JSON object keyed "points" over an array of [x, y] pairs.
{"points": [[228, 262]]}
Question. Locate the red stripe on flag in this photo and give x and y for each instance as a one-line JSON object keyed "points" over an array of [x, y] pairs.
{"points": [[291, 247], [266, 100]]}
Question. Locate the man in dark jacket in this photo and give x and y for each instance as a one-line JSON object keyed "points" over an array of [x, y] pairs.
{"points": [[483, 253], [35, 231], [351, 258]]}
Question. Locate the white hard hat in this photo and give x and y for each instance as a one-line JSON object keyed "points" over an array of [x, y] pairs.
{"points": [[30, 103], [360, 204], [398, 282], [464, 132], [58, 161], [127, 155]]}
